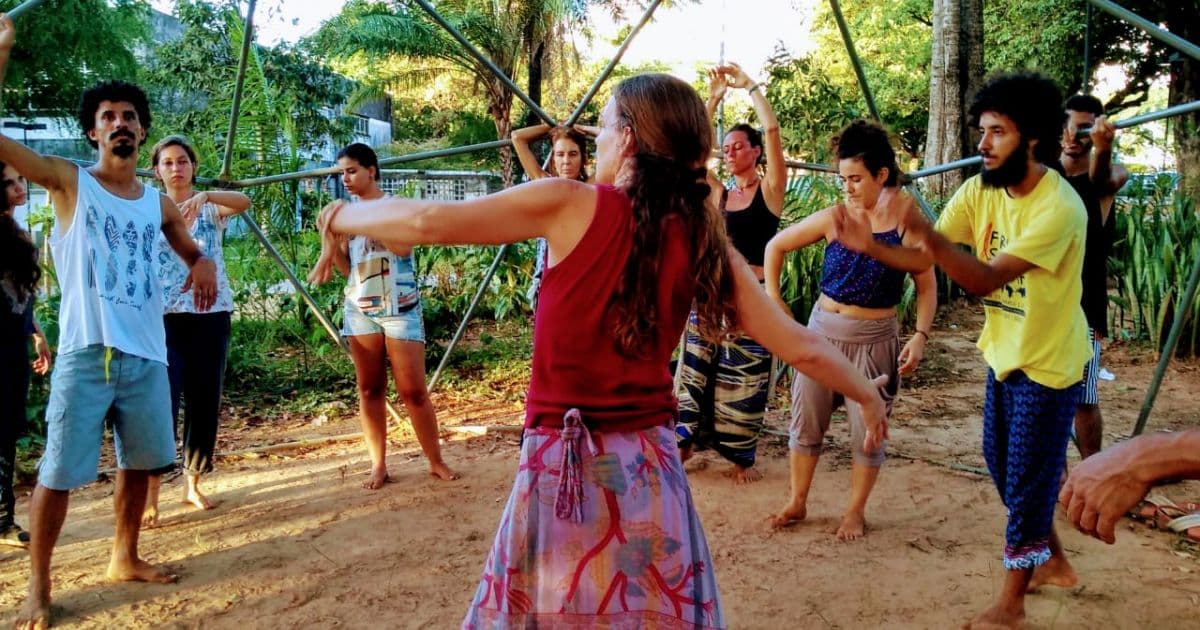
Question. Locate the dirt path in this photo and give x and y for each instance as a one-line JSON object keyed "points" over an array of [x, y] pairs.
{"points": [[297, 542]]}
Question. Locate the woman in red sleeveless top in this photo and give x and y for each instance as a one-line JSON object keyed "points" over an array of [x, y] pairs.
{"points": [[600, 529]]}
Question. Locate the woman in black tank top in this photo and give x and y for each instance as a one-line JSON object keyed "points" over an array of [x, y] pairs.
{"points": [[730, 418]]}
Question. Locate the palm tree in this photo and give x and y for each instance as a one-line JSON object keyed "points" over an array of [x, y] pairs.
{"points": [[506, 32]]}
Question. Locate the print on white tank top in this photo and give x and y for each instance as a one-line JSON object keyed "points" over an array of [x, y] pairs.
{"points": [[106, 268]]}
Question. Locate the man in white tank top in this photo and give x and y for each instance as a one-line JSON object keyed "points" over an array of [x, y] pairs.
{"points": [[112, 351]]}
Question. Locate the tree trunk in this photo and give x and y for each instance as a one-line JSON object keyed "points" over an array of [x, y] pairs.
{"points": [[536, 71], [956, 68], [1185, 88], [500, 109]]}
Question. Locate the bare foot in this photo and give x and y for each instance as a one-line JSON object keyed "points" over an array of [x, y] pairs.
{"points": [[748, 474], [852, 527], [441, 471], [150, 516], [139, 571], [379, 476], [790, 515], [996, 618], [1055, 572], [197, 499], [35, 612]]}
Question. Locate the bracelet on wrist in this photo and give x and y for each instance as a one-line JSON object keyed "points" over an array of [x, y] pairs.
{"points": [[754, 87], [922, 332]]}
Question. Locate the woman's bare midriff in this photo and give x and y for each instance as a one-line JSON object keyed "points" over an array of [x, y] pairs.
{"points": [[830, 305]]}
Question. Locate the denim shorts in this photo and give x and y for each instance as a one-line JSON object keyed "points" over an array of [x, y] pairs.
{"points": [[407, 326], [85, 386]]}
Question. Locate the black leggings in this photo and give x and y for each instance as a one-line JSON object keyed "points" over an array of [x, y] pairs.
{"points": [[197, 345], [14, 388]]}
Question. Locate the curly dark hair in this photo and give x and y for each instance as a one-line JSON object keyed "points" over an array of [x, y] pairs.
{"points": [[116, 92], [867, 141], [667, 180], [1034, 104], [18, 255]]}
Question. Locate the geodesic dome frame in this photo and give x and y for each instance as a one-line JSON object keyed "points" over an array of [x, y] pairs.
{"points": [[224, 181]]}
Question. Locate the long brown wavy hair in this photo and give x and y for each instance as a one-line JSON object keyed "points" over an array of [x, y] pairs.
{"points": [[18, 255], [665, 178]]}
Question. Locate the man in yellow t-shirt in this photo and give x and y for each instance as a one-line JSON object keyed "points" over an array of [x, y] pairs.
{"points": [[1027, 228]]}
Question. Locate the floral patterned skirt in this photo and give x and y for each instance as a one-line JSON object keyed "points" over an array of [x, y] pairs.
{"points": [[613, 543]]}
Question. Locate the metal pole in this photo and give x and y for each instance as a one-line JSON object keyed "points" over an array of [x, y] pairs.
{"points": [[247, 40], [809, 166], [482, 58], [462, 326], [333, 170], [304, 294], [1151, 29], [1168, 350], [915, 191], [858, 71], [22, 8], [1174, 110], [721, 107], [1087, 49], [942, 168], [587, 98]]}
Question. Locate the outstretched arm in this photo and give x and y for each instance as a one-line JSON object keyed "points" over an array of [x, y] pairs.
{"points": [[54, 174], [521, 139], [1105, 486], [853, 232], [805, 350], [550, 207]]}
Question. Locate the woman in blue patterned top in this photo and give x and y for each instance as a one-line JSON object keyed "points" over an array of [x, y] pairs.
{"points": [[856, 311], [197, 341]]}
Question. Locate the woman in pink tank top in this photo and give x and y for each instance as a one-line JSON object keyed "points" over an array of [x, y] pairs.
{"points": [[600, 528]]}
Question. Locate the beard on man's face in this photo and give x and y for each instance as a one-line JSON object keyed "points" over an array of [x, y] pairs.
{"points": [[1011, 171], [121, 149]]}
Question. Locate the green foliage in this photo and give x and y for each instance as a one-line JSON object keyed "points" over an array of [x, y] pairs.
{"points": [[452, 276], [282, 121], [66, 46], [817, 94], [1158, 242], [1054, 47], [810, 106]]}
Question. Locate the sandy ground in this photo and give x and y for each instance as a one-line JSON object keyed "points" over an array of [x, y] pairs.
{"points": [[297, 542]]}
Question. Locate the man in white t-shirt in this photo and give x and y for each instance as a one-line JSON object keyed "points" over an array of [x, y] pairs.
{"points": [[112, 349]]}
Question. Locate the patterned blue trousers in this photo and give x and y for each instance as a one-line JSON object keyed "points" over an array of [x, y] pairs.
{"points": [[1026, 427], [723, 395]]}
